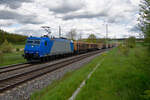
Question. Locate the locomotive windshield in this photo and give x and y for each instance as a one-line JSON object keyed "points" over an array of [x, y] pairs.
{"points": [[33, 42]]}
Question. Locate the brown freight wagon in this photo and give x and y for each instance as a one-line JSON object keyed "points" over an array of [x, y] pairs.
{"points": [[93, 46], [100, 45], [84, 46], [81, 46]]}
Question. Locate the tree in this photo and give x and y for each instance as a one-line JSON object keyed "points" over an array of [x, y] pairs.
{"points": [[101, 40], [145, 19], [1, 56], [6, 47], [72, 34], [131, 42], [2, 36], [79, 36], [92, 38]]}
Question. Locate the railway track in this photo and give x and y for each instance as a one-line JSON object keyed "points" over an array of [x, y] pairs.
{"points": [[26, 72], [9, 68], [14, 67]]}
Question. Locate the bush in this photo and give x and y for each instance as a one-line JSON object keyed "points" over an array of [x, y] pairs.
{"points": [[6, 47], [130, 42], [17, 49], [123, 49], [146, 95]]}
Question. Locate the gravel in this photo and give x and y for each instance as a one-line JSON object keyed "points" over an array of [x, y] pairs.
{"points": [[24, 91]]}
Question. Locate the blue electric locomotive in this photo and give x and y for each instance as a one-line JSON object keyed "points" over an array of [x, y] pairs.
{"points": [[38, 48]]}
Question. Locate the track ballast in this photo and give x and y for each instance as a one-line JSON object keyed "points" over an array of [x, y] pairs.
{"points": [[29, 73]]}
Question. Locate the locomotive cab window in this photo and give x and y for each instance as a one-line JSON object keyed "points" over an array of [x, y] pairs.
{"points": [[29, 42], [37, 42], [33, 42]]}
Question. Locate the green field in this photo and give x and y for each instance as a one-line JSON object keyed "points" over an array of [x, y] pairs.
{"points": [[14, 57], [20, 46], [119, 77]]}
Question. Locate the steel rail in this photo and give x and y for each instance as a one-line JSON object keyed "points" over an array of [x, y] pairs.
{"points": [[13, 81]]}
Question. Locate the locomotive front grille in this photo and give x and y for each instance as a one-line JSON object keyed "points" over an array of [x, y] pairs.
{"points": [[31, 55]]}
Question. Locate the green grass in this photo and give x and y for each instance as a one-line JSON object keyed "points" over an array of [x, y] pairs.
{"points": [[63, 89], [119, 77], [20, 46], [13, 57]]}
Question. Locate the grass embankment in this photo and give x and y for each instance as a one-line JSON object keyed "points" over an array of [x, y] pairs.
{"points": [[13, 57], [119, 77], [63, 89]]}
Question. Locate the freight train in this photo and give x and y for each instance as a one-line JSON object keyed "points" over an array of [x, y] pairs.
{"points": [[45, 48]]}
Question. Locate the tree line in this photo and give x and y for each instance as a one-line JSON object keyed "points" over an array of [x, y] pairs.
{"points": [[73, 35], [12, 38]]}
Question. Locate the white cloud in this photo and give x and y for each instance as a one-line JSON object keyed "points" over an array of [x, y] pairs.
{"points": [[87, 16]]}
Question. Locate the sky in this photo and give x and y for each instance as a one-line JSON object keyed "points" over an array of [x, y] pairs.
{"points": [[26, 17]]}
